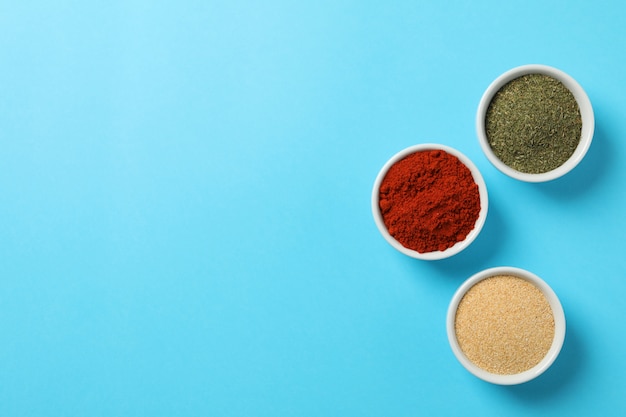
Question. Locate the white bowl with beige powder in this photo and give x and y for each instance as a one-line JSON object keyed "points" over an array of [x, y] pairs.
{"points": [[505, 325]]}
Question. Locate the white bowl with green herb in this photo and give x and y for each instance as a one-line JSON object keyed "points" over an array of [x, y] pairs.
{"points": [[535, 123]]}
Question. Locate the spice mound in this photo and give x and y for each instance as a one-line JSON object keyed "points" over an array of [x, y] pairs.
{"points": [[429, 201], [504, 325], [533, 124]]}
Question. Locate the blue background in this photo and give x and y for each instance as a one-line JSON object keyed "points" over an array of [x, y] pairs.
{"points": [[185, 223]]}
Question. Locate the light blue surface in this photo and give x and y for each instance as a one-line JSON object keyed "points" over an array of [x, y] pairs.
{"points": [[185, 225]]}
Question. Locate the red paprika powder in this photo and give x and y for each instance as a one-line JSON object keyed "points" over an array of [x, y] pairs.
{"points": [[429, 201]]}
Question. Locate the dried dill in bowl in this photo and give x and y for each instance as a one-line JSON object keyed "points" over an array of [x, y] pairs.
{"points": [[533, 123]]}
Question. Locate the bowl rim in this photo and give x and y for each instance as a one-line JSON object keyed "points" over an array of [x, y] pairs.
{"points": [[586, 112], [459, 246], [559, 326]]}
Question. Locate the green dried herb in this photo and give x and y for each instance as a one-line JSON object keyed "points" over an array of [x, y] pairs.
{"points": [[533, 124]]}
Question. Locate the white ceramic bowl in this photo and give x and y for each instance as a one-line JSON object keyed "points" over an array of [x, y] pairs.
{"points": [[459, 246], [559, 327], [586, 112]]}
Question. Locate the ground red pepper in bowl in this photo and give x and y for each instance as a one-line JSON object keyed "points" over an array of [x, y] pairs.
{"points": [[429, 201]]}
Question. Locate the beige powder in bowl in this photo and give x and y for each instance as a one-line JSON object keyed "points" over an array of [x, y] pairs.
{"points": [[504, 325]]}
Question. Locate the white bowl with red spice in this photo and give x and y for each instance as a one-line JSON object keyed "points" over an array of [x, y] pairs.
{"points": [[505, 325], [528, 125], [429, 201]]}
